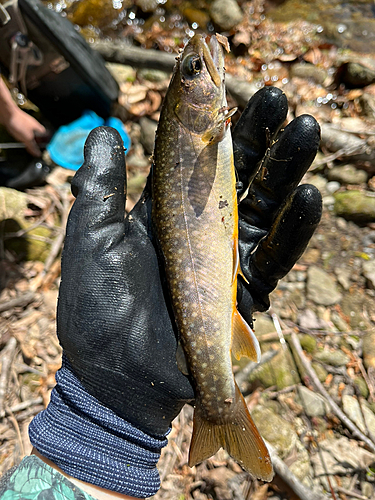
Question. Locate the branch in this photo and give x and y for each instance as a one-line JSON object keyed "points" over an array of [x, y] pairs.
{"points": [[334, 407]]}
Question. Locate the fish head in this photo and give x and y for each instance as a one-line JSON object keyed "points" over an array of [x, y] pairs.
{"points": [[197, 89]]}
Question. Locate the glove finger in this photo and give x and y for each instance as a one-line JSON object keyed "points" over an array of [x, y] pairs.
{"points": [[281, 248], [285, 165], [100, 184], [262, 118]]}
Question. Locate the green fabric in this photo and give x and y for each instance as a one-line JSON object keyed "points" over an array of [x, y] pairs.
{"points": [[35, 480]]}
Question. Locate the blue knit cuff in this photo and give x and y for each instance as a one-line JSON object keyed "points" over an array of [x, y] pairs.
{"points": [[91, 443]]}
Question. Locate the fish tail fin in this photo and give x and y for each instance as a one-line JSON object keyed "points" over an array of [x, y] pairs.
{"points": [[237, 434]]}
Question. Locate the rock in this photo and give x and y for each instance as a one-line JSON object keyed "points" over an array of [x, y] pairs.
{"points": [[367, 489], [148, 129], [341, 457], [308, 319], [280, 371], [358, 206], [343, 276], [353, 410], [368, 268], [308, 342], [368, 349], [333, 186], [276, 430], [121, 72], [321, 287], [153, 75], [284, 438], [226, 14], [310, 71], [12, 204], [347, 174], [355, 75], [333, 358], [313, 403], [369, 417], [263, 325], [319, 182]]}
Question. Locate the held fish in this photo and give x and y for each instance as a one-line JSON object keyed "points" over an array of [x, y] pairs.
{"points": [[196, 220]]}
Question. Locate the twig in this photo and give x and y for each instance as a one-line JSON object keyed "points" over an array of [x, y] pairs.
{"points": [[243, 375], [25, 404], [13, 419], [289, 478], [351, 493], [59, 240], [334, 407], [23, 300], [6, 361]]}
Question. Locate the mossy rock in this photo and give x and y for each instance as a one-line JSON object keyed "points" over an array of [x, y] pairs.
{"points": [[308, 343], [280, 371], [28, 246], [357, 206]]}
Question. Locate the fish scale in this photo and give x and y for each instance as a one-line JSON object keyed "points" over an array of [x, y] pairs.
{"points": [[195, 218]]}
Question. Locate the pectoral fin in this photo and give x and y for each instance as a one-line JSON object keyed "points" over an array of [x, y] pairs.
{"points": [[236, 263], [244, 341]]}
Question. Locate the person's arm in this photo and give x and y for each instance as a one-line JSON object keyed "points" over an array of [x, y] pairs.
{"points": [[18, 123]]}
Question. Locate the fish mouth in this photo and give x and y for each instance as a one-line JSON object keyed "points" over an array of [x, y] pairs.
{"points": [[214, 60]]}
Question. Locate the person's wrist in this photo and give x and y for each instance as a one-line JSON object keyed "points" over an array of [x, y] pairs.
{"points": [[92, 444], [91, 489]]}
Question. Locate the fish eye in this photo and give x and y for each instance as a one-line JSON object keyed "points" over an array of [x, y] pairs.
{"points": [[192, 65]]}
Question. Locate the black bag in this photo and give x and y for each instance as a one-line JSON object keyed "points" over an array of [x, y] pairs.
{"points": [[55, 66]]}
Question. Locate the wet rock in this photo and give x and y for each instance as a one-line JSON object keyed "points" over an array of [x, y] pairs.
{"points": [[368, 349], [310, 71], [226, 14], [368, 269], [313, 403], [347, 174], [321, 287], [333, 358], [148, 129], [358, 206]]}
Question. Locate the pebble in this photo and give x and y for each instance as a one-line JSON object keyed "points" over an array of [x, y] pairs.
{"points": [[368, 269], [333, 186], [226, 14], [314, 404], [368, 349], [358, 206], [321, 287], [353, 410], [333, 358], [347, 174]]}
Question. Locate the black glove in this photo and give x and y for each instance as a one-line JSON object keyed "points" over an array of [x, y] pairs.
{"points": [[114, 324], [277, 218]]}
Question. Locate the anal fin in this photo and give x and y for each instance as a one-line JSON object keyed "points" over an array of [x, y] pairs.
{"points": [[244, 341]]}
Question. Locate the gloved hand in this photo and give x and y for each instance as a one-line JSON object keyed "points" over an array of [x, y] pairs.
{"points": [[277, 218], [114, 323]]}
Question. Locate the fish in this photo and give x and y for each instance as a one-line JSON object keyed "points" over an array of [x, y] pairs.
{"points": [[195, 219]]}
